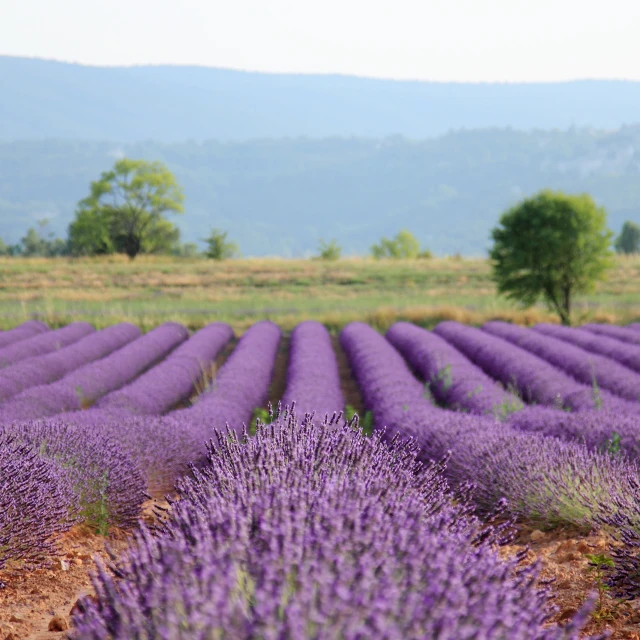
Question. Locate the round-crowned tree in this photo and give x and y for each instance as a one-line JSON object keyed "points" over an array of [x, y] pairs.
{"points": [[125, 211], [551, 246]]}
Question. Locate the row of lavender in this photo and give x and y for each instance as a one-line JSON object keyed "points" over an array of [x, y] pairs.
{"points": [[313, 379]]}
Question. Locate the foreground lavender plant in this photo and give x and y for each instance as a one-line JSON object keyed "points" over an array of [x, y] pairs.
{"points": [[109, 485], [41, 370], [21, 332], [171, 381], [588, 368], [452, 378], [81, 387], [313, 379], [313, 531], [37, 503], [536, 380], [43, 343]]}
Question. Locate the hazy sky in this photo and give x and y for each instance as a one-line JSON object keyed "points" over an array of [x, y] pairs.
{"points": [[465, 40]]}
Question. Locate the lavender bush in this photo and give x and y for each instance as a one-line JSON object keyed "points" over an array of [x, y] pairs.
{"points": [[312, 531], [313, 379], [173, 380], [40, 370], [536, 380], [452, 379], [109, 485], [37, 503], [585, 367], [21, 332], [81, 387], [43, 343], [624, 353]]}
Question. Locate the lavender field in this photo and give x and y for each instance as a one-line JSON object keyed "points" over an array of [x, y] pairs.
{"points": [[382, 497]]}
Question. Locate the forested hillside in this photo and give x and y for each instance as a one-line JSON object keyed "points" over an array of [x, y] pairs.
{"points": [[281, 196], [47, 99]]}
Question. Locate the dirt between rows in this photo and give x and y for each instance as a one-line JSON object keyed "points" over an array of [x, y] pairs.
{"points": [[31, 601]]}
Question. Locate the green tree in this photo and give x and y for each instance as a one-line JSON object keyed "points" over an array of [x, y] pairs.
{"points": [[218, 248], [125, 211], [5, 250], [403, 245], [38, 242], [629, 239], [551, 245], [329, 250]]}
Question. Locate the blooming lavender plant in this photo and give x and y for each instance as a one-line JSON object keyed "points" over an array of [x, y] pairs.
{"points": [[313, 531], [585, 367], [109, 484], [44, 343], [37, 503], [172, 380], [40, 370], [313, 379], [452, 379], [81, 387], [624, 353], [21, 332], [537, 381]]}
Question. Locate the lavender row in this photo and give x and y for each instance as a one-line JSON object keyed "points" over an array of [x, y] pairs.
{"points": [[611, 331], [25, 330], [313, 379], [452, 379], [41, 370], [369, 536], [536, 380], [83, 386], [543, 479], [585, 367], [43, 343], [624, 353], [170, 382], [164, 446]]}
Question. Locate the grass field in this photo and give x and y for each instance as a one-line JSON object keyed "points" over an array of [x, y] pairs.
{"points": [[152, 290]]}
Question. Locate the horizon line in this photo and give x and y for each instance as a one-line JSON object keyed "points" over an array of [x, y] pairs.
{"points": [[321, 74]]}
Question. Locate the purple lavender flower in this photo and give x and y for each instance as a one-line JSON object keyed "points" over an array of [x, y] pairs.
{"points": [[585, 367], [37, 503], [313, 379], [21, 332], [40, 370], [84, 385], [43, 343], [172, 380], [452, 379], [313, 531], [536, 380]]}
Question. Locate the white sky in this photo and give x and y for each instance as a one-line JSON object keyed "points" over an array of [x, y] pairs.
{"points": [[463, 40]]}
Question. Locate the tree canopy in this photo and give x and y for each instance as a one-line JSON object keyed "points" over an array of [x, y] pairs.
{"points": [[218, 247], [124, 213], [553, 246], [629, 239], [403, 245]]}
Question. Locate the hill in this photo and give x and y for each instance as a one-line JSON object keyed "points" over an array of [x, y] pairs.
{"points": [[47, 99], [280, 196]]}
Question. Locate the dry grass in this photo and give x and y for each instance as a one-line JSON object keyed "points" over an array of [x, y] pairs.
{"points": [[152, 290]]}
